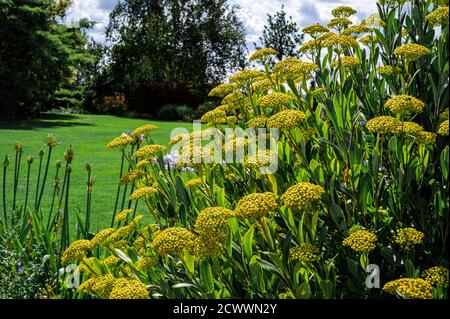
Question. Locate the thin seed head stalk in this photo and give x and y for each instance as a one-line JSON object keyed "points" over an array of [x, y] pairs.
{"points": [[118, 188], [41, 154], [30, 160], [130, 160], [18, 159], [65, 235], [50, 148], [90, 182], [5, 168], [55, 191], [68, 156]]}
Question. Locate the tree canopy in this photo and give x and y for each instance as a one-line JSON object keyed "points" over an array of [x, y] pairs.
{"points": [[38, 54], [282, 34], [180, 46]]}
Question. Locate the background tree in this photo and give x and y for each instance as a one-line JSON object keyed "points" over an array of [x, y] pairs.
{"points": [[38, 54], [170, 51], [282, 34]]}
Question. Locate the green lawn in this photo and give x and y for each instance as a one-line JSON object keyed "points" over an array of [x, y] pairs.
{"points": [[88, 135]]}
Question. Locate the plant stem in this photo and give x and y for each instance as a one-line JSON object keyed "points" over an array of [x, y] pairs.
{"points": [[27, 187], [4, 193], [38, 181], [45, 178], [118, 190]]}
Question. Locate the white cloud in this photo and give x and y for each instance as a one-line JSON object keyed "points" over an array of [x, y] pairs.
{"points": [[252, 12]]}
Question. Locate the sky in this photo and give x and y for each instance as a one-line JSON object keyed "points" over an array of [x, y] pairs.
{"points": [[253, 13]]}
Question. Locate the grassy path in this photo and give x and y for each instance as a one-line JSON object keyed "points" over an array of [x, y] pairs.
{"points": [[88, 135]]}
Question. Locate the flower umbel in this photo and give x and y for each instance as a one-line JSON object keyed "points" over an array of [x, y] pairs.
{"points": [[361, 241], [409, 288]]}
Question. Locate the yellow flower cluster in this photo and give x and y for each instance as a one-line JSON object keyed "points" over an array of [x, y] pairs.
{"points": [[315, 30], [246, 77], [143, 193], [286, 120], [213, 221], [389, 70], [111, 261], [214, 117], [383, 124], [76, 251], [436, 276], [257, 205], [257, 122], [262, 159], [98, 285], [121, 233], [373, 20], [356, 30], [409, 237], [302, 195], [410, 128], [426, 138], [412, 51], [442, 3], [263, 85], [438, 16], [172, 240], [262, 53], [237, 144], [143, 163], [206, 246], [443, 128], [149, 151], [404, 103], [274, 100], [444, 114], [101, 237], [121, 216], [144, 130], [409, 288], [128, 289], [361, 240], [193, 183], [146, 263], [223, 90], [346, 61], [339, 23], [343, 12], [120, 142], [369, 39], [340, 41], [132, 176], [310, 46], [305, 253], [233, 100]]}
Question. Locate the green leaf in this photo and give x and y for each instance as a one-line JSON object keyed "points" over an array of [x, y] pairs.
{"points": [[123, 256], [248, 242], [390, 256], [183, 285], [303, 291], [189, 261], [338, 217], [206, 275]]}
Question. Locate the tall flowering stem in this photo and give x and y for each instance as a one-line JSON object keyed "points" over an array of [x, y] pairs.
{"points": [[41, 154], [55, 192], [29, 162], [44, 180], [118, 188], [18, 160], [5, 168]]}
